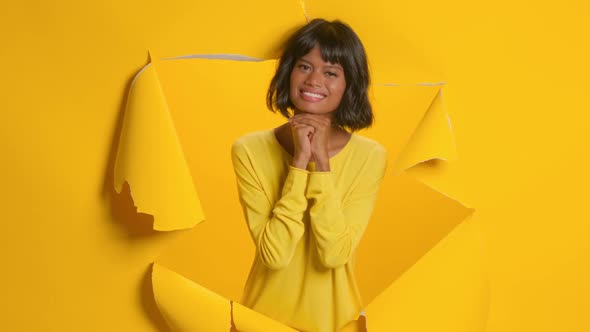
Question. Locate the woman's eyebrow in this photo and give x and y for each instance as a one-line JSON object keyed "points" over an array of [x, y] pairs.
{"points": [[335, 66], [302, 59]]}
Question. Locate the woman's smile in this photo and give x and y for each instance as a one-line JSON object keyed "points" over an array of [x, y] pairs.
{"points": [[311, 97], [316, 86]]}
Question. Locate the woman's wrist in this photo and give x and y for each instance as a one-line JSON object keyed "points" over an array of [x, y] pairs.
{"points": [[300, 162], [322, 165]]}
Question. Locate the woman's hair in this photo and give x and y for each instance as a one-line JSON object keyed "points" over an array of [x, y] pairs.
{"points": [[338, 44]]}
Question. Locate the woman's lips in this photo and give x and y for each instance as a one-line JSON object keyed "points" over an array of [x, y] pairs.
{"points": [[311, 96]]}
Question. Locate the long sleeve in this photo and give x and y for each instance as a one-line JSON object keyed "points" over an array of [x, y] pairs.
{"points": [[338, 226], [275, 228]]}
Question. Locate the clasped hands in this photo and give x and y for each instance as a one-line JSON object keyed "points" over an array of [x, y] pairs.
{"points": [[311, 134]]}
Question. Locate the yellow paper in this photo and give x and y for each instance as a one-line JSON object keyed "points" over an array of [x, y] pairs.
{"points": [[151, 160], [394, 57], [186, 305], [213, 100], [76, 256], [445, 291], [409, 219], [432, 139], [399, 111], [248, 320]]}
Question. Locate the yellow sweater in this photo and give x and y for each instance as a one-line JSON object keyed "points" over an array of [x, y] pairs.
{"points": [[306, 226]]}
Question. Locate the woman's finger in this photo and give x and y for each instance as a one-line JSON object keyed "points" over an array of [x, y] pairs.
{"points": [[303, 126], [310, 122], [310, 116], [309, 119]]}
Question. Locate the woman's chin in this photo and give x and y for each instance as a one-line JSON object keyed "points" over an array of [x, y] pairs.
{"points": [[311, 111]]}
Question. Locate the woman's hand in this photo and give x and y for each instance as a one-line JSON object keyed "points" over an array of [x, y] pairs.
{"points": [[302, 134], [319, 137]]}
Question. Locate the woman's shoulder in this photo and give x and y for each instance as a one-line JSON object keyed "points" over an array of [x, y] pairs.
{"points": [[369, 156], [369, 145], [253, 141]]}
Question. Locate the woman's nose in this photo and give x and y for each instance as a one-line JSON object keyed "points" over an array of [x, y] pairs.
{"points": [[313, 79]]}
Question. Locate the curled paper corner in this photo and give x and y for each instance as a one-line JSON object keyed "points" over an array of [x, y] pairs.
{"points": [[150, 158], [180, 300], [462, 289], [188, 306], [408, 221], [151, 57], [458, 299], [432, 139]]}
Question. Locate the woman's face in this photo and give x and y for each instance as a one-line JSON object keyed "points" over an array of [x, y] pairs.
{"points": [[316, 86]]}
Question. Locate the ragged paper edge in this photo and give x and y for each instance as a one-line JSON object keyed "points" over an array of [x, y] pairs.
{"points": [[123, 163], [181, 300], [420, 149], [304, 10], [416, 137], [198, 214], [218, 56], [418, 140], [433, 139]]}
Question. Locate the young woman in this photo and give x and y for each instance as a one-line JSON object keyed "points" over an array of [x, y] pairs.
{"points": [[308, 187]]}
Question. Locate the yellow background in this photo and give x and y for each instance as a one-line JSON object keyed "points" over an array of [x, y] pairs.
{"points": [[516, 76]]}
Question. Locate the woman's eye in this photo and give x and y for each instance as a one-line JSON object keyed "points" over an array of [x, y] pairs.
{"points": [[331, 74], [304, 67]]}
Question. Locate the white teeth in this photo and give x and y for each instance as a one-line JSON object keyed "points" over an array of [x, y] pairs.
{"points": [[314, 95]]}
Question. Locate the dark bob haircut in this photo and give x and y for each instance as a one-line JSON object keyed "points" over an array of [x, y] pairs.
{"points": [[338, 44]]}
